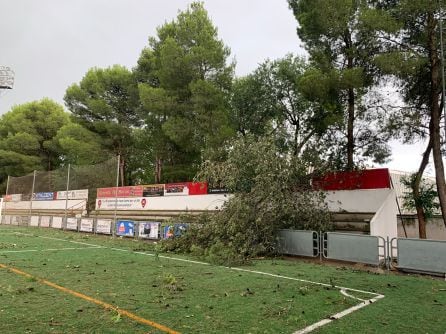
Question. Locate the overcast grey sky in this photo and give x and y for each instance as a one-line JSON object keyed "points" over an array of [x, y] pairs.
{"points": [[51, 44]]}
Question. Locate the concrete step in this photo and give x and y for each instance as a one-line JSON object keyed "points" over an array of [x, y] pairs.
{"points": [[352, 216]]}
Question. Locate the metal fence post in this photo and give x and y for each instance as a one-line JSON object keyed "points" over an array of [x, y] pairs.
{"points": [[116, 197], [5, 201], [321, 245], [32, 194], [64, 225]]}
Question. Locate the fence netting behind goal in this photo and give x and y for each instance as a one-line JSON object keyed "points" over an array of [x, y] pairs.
{"points": [[70, 177]]}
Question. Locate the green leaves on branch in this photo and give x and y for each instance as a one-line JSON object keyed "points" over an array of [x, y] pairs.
{"points": [[184, 80], [271, 191], [27, 136], [427, 198]]}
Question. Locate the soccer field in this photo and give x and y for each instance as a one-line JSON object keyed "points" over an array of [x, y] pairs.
{"points": [[64, 282]]}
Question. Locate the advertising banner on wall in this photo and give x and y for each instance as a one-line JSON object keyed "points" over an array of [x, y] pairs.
{"points": [[218, 191], [34, 221], [176, 189], [45, 221], [130, 191], [149, 230], [72, 194], [103, 226], [174, 230], [137, 203], [125, 228], [57, 222], [198, 188], [76, 204], [12, 198], [153, 190], [86, 225], [72, 223], [43, 196]]}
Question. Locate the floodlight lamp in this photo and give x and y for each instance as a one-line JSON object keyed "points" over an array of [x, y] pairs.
{"points": [[6, 77]]}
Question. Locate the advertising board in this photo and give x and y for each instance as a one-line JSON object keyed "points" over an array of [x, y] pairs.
{"points": [[12, 198], [34, 221], [136, 203], [198, 188], [45, 221], [103, 226], [176, 189], [120, 192], [174, 230], [153, 190], [86, 225], [57, 222], [43, 196], [149, 230], [72, 223], [125, 228], [72, 194]]}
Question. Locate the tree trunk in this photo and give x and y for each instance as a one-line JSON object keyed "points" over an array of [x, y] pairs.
{"points": [[158, 167], [122, 171], [435, 114], [350, 126], [416, 189], [350, 109]]}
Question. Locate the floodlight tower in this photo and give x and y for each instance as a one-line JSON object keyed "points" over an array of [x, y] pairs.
{"points": [[6, 79]]}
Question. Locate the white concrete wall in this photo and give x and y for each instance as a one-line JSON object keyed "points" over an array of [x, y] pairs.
{"points": [[381, 202], [384, 223], [166, 203], [435, 228], [356, 200]]}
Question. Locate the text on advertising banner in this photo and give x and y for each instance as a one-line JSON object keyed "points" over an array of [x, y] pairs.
{"points": [[103, 226], [136, 203], [72, 223], [129, 191], [86, 225]]}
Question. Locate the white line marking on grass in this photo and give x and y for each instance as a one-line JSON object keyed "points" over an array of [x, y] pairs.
{"points": [[58, 239], [308, 329], [305, 281], [46, 250], [351, 296], [339, 315]]}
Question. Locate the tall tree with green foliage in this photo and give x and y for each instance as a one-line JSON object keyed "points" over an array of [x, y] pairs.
{"points": [[409, 31], [184, 80], [80, 146], [27, 135], [250, 108], [282, 97], [422, 198], [340, 49], [106, 102]]}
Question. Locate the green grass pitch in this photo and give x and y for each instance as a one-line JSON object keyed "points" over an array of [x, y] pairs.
{"points": [[186, 296]]}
